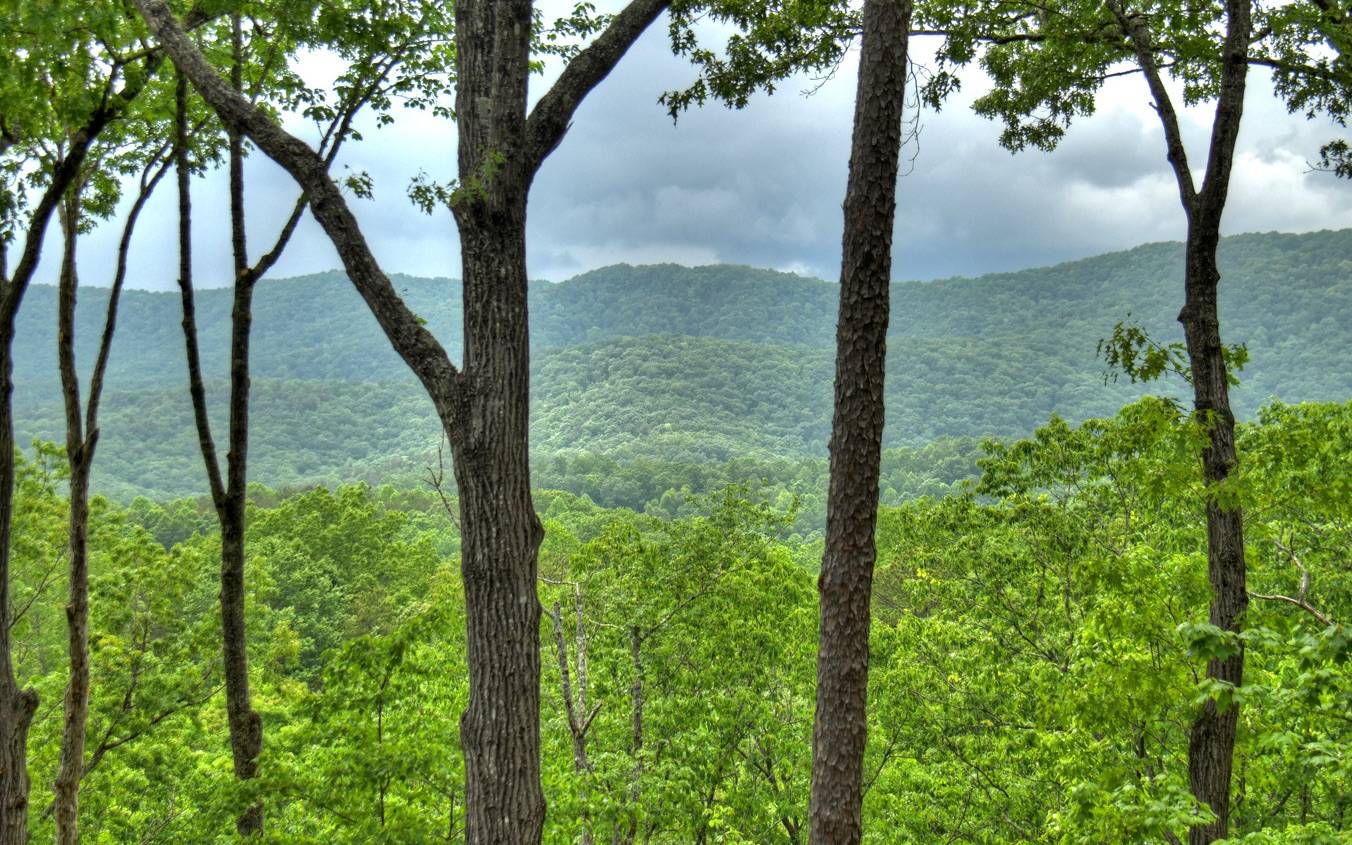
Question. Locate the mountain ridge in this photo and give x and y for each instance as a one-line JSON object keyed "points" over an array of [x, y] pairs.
{"points": [[692, 365]]}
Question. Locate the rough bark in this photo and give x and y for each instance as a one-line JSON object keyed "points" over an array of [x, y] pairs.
{"points": [[500, 728], [485, 409], [845, 584], [1211, 739], [79, 455]]}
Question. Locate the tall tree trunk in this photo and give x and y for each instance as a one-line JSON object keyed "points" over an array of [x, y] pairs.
{"points": [[484, 409], [845, 584], [17, 705], [1211, 741], [228, 494], [79, 454], [246, 728], [500, 728]]}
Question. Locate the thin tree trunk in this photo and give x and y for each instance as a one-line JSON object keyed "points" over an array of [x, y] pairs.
{"points": [[484, 409], [575, 702], [845, 584], [1211, 741], [17, 705], [229, 493], [79, 453], [246, 729], [636, 707]]}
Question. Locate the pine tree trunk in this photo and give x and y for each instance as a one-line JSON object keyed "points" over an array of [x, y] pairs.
{"points": [[845, 584], [1211, 741]]}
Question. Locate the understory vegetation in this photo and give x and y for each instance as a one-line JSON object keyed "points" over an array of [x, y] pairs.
{"points": [[1038, 643]]}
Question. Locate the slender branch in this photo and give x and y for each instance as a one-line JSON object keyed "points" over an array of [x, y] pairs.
{"points": [[332, 141], [1139, 33], [414, 343], [436, 480], [1298, 602], [119, 278], [196, 389], [549, 120], [19, 612], [1229, 103], [68, 169], [1301, 598]]}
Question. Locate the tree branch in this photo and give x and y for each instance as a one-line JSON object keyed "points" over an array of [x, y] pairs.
{"points": [[1301, 598], [1229, 103], [159, 165], [415, 344], [549, 120], [1139, 34]]}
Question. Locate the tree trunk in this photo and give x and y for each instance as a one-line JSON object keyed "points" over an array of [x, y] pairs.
{"points": [[1211, 741], [17, 705], [79, 453], [227, 494], [845, 584], [246, 728], [489, 432], [500, 728], [484, 410], [636, 705]]}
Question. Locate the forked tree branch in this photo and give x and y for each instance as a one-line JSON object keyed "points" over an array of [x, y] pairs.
{"points": [[419, 349], [549, 120]]}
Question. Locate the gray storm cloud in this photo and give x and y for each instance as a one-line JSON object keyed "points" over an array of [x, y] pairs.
{"points": [[763, 186]]}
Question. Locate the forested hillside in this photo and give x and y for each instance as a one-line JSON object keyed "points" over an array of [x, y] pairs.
{"points": [[687, 366], [365, 559], [1031, 683]]}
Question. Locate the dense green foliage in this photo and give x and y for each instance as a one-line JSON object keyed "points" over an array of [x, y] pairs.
{"points": [[690, 366], [1037, 647]]}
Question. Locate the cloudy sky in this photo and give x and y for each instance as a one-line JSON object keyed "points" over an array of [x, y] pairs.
{"points": [[763, 186]]}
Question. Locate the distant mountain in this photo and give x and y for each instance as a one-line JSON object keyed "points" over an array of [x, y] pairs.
{"points": [[690, 365]]}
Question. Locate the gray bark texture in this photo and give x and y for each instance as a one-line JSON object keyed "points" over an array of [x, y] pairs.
{"points": [[484, 409], [845, 584]]}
